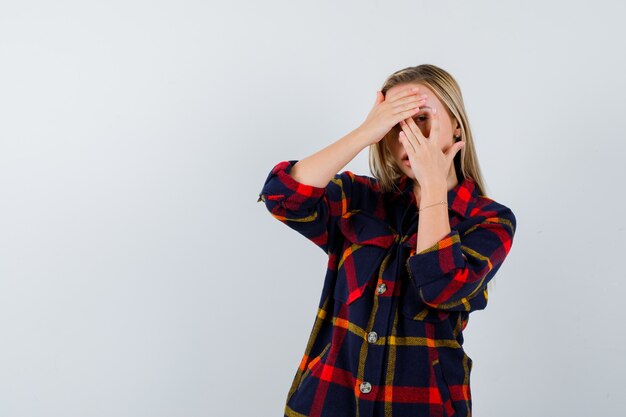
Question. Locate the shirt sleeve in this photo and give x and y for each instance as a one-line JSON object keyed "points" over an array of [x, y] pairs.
{"points": [[309, 210], [454, 272]]}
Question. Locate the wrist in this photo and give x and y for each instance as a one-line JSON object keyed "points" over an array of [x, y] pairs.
{"points": [[362, 136], [434, 189], [433, 193]]}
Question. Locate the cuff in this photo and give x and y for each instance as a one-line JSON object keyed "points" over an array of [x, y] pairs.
{"points": [[281, 186], [437, 261]]}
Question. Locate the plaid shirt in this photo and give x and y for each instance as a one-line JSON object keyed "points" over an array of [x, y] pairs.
{"points": [[387, 338]]}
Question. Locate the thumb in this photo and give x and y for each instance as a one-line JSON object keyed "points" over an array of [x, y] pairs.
{"points": [[379, 97], [454, 149]]}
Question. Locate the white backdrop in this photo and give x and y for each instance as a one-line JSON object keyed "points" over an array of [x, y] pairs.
{"points": [[140, 277]]}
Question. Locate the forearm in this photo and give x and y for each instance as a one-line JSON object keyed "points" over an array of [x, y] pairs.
{"points": [[318, 169], [434, 222]]}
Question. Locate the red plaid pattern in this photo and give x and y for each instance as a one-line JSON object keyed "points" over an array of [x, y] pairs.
{"points": [[387, 339]]}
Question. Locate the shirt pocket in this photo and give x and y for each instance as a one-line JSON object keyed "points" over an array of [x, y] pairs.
{"points": [[366, 241], [444, 390]]}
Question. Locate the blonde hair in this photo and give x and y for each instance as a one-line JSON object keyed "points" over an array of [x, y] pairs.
{"points": [[381, 162]]}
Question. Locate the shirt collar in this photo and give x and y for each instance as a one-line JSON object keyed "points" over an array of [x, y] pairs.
{"points": [[461, 198]]}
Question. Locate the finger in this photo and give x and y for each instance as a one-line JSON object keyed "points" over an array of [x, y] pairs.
{"points": [[408, 146], [409, 134], [434, 124], [403, 92], [408, 99], [416, 130], [409, 103], [407, 113]]}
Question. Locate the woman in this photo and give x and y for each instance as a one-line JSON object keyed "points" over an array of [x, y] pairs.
{"points": [[411, 252]]}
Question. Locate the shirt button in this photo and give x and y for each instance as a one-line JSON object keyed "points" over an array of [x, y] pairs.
{"points": [[372, 337], [382, 288], [365, 387]]}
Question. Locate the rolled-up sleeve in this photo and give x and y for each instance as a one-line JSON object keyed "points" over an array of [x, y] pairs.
{"points": [[453, 273], [311, 211]]}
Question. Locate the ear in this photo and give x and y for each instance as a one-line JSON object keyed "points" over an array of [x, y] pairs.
{"points": [[457, 129]]}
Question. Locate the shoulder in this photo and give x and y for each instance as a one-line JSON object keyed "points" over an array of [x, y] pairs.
{"points": [[494, 211]]}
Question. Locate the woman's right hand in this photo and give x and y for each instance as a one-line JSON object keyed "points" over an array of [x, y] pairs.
{"points": [[389, 111]]}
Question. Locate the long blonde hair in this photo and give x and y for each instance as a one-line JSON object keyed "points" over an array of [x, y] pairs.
{"points": [[381, 162]]}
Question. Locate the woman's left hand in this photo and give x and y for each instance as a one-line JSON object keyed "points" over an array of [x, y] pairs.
{"points": [[428, 162]]}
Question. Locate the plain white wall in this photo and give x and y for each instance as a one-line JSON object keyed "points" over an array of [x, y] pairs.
{"points": [[140, 277]]}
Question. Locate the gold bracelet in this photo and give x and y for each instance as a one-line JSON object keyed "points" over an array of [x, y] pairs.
{"points": [[424, 208]]}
